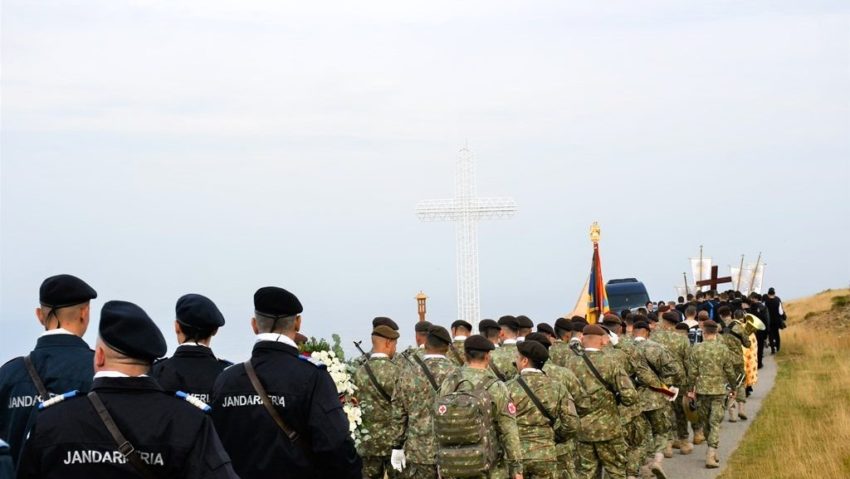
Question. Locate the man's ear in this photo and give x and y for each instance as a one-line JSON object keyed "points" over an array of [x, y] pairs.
{"points": [[99, 356], [254, 325], [39, 314], [297, 323]]}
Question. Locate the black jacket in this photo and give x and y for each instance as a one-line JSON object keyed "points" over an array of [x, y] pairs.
{"points": [[307, 400], [192, 369], [176, 439]]}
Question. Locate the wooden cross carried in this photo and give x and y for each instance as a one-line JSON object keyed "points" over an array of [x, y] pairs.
{"points": [[713, 281]]}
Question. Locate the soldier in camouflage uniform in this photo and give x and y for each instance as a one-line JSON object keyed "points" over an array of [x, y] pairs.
{"points": [[539, 431], [566, 451], [601, 440], [560, 350], [404, 359], [503, 358], [415, 447], [526, 326], [736, 338], [679, 346], [490, 330], [477, 352], [375, 392], [378, 321], [655, 391], [460, 331], [711, 371]]}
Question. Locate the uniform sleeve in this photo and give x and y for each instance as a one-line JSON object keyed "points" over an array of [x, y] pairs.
{"points": [[329, 430], [208, 459], [670, 369], [644, 373], [624, 385], [729, 371], [506, 427], [692, 371], [567, 426], [400, 408], [29, 461]]}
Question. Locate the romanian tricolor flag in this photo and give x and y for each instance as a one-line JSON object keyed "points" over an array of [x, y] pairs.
{"points": [[597, 298]]}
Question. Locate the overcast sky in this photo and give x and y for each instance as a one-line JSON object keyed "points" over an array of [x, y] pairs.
{"points": [[156, 148]]}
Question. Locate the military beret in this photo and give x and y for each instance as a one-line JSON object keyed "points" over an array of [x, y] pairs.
{"points": [[545, 328], [579, 318], [540, 338], [611, 320], [683, 326], [460, 323], [594, 329], [198, 311], [533, 351], [642, 325], [524, 321], [385, 321], [577, 326], [563, 324], [476, 342], [127, 329], [64, 290], [422, 327], [671, 317], [486, 324], [510, 322], [385, 331], [710, 326], [276, 302], [440, 333]]}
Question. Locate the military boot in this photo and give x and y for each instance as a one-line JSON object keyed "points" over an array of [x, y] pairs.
{"points": [[741, 414], [733, 413], [676, 444], [699, 437], [686, 448], [655, 466], [711, 458], [668, 450]]}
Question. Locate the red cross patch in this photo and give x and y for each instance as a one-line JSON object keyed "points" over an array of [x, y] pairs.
{"points": [[442, 409], [512, 409]]}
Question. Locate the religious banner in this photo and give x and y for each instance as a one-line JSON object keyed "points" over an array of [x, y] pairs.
{"points": [[701, 270], [597, 297]]}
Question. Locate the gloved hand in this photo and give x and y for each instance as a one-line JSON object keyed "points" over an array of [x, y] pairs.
{"points": [[397, 459], [614, 338]]}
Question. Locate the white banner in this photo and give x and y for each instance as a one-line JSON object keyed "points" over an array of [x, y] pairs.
{"points": [[700, 274]]}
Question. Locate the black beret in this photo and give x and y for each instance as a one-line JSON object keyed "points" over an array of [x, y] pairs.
{"points": [[422, 327], [385, 321], [476, 342], [593, 329], [710, 326], [460, 323], [385, 331], [127, 329], [579, 318], [564, 324], [276, 302], [486, 324], [545, 328], [510, 322], [64, 290], [540, 338], [440, 333], [642, 325], [683, 326], [533, 351], [198, 311], [524, 321], [671, 317]]}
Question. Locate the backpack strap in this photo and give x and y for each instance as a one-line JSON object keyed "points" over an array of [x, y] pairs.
{"points": [[496, 371], [292, 434], [598, 376], [427, 372], [124, 446], [375, 382], [36, 379], [455, 353], [536, 401]]}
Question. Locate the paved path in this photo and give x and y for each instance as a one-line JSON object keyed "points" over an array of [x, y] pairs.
{"points": [[693, 466]]}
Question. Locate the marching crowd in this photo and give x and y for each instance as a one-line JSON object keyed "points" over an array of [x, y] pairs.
{"points": [[568, 400]]}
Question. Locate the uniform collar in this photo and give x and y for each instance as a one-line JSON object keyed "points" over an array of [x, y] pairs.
{"points": [[434, 356], [378, 356], [193, 350], [134, 383], [530, 371], [639, 338], [115, 374], [193, 343], [56, 331], [460, 338], [279, 338], [520, 339], [591, 350], [62, 340], [509, 341]]}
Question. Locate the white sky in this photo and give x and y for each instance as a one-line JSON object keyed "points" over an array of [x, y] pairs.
{"points": [[160, 148]]}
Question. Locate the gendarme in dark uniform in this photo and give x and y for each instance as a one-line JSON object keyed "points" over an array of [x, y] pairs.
{"points": [[193, 368], [301, 393], [166, 436], [61, 359]]}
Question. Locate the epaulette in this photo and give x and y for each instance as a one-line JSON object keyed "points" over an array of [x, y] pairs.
{"points": [[314, 362], [193, 401], [57, 399]]}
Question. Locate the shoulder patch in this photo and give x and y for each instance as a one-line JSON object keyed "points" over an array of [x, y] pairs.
{"points": [[193, 401], [512, 408], [313, 361], [57, 399]]}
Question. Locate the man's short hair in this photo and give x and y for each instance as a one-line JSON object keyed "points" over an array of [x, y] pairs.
{"points": [[690, 311], [474, 354], [269, 324]]}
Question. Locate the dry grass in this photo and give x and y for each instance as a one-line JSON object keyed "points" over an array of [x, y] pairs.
{"points": [[803, 430]]}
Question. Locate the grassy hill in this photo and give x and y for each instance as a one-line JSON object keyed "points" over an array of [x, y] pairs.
{"points": [[803, 430]]}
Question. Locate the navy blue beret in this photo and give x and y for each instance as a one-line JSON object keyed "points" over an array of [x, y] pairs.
{"points": [[65, 290], [129, 330], [198, 311], [276, 302]]}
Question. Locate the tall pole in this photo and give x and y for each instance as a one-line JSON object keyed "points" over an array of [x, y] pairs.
{"points": [[699, 288], [755, 271], [740, 273], [687, 291]]}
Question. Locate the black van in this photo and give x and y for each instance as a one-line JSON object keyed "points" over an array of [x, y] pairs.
{"points": [[626, 293]]}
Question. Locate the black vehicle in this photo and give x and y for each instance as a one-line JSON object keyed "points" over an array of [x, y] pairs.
{"points": [[626, 293]]}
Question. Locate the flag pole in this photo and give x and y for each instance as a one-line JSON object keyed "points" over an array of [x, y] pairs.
{"points": [[699, 288], [740, 272], [755, 271], [687, 291]]}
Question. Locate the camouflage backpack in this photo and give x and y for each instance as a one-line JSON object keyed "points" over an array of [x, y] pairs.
{"points": [[463, 423]]}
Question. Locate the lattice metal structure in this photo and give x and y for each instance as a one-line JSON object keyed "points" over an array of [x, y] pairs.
{"points": [[466, 209]]}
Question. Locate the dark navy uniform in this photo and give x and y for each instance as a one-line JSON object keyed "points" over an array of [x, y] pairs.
{"points": [[6, 469], [193, 369], [63, 361], [175, 438], [305, 396]]}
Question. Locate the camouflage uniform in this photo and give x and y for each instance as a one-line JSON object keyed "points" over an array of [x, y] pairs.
{"points": [[736, 339], [601, 434], [537, 436], [504, 418], [710, 370], [456, 355], [679, 346], [376, 446], [566, 450], [503, 359], [664, 370], [405, 359], [413, 411]]}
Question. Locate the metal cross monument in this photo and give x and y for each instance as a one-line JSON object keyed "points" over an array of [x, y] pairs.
{"points": [[466, 209]]}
